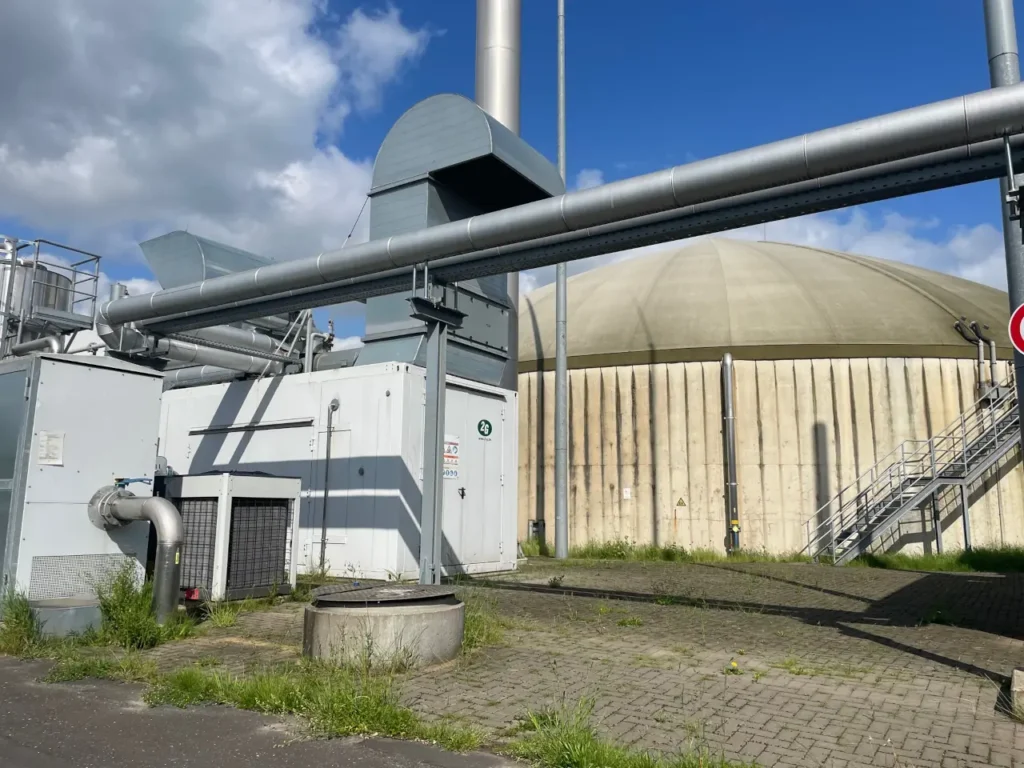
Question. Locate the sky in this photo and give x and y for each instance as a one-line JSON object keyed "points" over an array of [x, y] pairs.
{"points": [[256, 122]]}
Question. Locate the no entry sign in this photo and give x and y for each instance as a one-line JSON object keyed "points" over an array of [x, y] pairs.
{"points": [[1016, 333]]}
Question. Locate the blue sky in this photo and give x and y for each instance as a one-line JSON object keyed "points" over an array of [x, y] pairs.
{"points": [[662, 84]]}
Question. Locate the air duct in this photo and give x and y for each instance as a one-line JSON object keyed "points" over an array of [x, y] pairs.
{"points": [[198, 375], [953, 123]]}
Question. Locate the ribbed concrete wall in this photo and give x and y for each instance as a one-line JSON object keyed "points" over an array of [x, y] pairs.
{"points": [[646, 458]]}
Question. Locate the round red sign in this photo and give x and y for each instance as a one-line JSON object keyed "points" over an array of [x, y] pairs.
{"points": [[1016, 332]]}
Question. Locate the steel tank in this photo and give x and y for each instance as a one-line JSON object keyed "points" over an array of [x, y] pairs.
{"points": [[51, 290]]}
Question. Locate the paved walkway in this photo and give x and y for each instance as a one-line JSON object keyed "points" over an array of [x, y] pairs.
{"points": [[833, 667]]}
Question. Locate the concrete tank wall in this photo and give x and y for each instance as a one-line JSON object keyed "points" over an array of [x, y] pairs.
{"points": [[646, 456]]}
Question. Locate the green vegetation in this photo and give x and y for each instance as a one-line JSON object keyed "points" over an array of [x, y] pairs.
{"points": [[566, 738], [20, 631], [533, 548], [624, 549], [127, 611], [795, 667], [335, 701], [127, 668], [630, 621], [484, 624], [980, 560], [221, 614]]}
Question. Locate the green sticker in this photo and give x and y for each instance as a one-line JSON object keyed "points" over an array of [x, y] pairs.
{"points": [[484, 428]]}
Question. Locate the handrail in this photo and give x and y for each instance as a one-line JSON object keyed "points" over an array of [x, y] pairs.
{"points": [[910, 463]]}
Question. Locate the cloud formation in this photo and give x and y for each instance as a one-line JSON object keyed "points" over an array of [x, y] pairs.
{"points": [[133, 117]]}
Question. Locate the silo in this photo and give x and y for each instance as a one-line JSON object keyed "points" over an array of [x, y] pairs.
{"points": [[839, 358]]}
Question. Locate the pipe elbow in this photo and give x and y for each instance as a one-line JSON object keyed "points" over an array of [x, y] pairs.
{"points": [[166, 519]]}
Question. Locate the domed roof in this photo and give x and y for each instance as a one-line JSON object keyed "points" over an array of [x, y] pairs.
{"points": [[759, 301]]}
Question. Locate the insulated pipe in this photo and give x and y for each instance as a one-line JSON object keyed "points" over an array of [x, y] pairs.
{"points": [[943, 125], [52, 344], [113, 506], [11, 248], [729, 444], [327, 482], [248, 339], [1004, 75], [194, 338], [194, 376], [498, 63]]}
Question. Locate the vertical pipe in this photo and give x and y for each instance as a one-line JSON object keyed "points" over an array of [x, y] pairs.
{"points": [[327, 482], [981, 367], [11, 247], [308, 366], [498, 63], [729, 433], [966, 515], [993, 363], [431, 521], [1004, 69], [561, 351]]}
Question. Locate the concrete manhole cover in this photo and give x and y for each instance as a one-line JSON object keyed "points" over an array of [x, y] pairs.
{"points": [[379, 593]]}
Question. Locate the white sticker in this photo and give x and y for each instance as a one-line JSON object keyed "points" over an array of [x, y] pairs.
{"points": [[451, 457], [627, 493], [51, 449]]}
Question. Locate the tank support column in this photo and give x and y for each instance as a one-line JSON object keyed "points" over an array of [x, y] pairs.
{"points": [[438, 319]]}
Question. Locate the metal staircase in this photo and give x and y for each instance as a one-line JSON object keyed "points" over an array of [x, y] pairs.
{"points": [[914, 473]]}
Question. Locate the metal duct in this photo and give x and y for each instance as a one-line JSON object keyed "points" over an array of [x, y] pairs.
{"points": [[113, 505], [197, 375], [910, 133]]}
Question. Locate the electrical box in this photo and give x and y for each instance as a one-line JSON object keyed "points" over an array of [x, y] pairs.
{"points": [[361, 466], [70, 425], [241, 533]]}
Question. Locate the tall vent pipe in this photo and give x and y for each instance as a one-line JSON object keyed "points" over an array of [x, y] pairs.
{"points": [[729, 446], [498, 60]]}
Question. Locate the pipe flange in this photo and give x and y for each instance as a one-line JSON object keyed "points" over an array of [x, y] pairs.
{"points": [[100, 513]]}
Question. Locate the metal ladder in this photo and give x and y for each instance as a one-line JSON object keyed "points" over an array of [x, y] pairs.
{"points": [[873, 505]]}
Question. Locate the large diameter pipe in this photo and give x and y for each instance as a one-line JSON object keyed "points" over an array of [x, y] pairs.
{"points": [[43, 344], [561, 338], [112, 506], [198, 375], [498, 63], [1004, 75], [948, 124]]}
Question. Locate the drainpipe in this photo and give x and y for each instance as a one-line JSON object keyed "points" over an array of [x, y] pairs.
{"points": [[327, 481], [44, 344], [113, 506], [729, 435], [969, 331], [982, 338]]}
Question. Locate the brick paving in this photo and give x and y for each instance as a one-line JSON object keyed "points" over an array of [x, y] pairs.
{"points": [[834, 667]]}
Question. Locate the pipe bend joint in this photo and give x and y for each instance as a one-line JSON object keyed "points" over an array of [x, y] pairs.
{"points": [[166, 519]]}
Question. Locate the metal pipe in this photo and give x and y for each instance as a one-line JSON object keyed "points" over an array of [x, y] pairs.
{"points": [[729, 444], [976, 162], [993, 374], [498, 64], [327, 481], [1004, 75], [113, 506], [11, 248], [198, 375], [561, 339], [307, 365], [52, 344], [250, 340], [981, 366], [943, 125], [194, 338]]}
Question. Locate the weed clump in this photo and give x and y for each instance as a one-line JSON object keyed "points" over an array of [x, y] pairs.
{"points": [[126, 608], [623, 549], [484, 625], [977, 560], [20, 631]]}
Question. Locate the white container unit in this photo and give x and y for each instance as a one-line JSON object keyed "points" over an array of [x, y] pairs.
{"points": [[374, 477], [241, 534]]}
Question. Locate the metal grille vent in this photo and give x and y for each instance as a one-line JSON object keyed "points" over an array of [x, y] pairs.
{"points": [[63, 577], [260, 543], [199, 518]]}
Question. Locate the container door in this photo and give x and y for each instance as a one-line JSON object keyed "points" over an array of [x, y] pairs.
{"points": [[13, 410]]}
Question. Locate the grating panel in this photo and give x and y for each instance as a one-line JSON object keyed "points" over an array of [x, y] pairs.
{"points": [[258, 549], [199, 519], [61, 577]]}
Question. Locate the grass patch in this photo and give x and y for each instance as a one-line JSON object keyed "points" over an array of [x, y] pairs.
{"points": [[484, 624], [19, 631], [221, 614], [532, 547], [566, 738], [623, 549], [335, 701], [977, 560], [630, 621], [126, 608], [794, 666], [127, 668]]}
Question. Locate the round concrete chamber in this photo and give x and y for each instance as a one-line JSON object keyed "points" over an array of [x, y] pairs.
{"points": [[408, 624]]}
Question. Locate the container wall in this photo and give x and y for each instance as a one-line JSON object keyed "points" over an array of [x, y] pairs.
{"points": [[646, 454]]}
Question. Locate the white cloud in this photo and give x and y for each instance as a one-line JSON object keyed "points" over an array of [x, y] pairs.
{"points": [[126, 118], [589, 177], [975, 253], [348, 342]]}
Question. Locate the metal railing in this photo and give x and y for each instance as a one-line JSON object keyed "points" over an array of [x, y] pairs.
{"points": [[911, 473]]}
